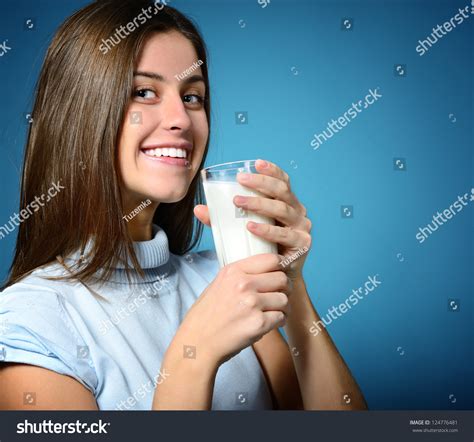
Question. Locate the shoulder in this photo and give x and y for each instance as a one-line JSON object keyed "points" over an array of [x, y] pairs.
{"points": [[33, 290], [36, 329], [38, 290]]}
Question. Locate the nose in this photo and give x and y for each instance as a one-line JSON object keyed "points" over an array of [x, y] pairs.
{"points": [[174, 116]]}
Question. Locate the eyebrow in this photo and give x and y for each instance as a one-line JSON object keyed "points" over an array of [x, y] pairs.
{"points": [[159, 77]]}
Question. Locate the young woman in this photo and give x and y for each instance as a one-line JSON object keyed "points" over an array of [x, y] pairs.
{"points": [[104, 307]]}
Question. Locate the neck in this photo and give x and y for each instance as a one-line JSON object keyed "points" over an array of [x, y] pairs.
{"points": [[138, 216]]}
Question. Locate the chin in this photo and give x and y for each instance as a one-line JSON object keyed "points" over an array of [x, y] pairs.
{"points": [[168, 197]]}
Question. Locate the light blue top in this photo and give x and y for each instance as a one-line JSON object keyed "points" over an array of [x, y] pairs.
{"points": [[115, 349]]}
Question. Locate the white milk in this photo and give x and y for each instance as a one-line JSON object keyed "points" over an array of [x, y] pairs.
{"points": [[232, 239]]}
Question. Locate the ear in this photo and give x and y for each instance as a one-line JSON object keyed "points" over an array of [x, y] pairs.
{"points": [[202, 214]]}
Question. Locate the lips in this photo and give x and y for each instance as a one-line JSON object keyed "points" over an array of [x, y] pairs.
{"points": [[182, 162], [175, 153]]}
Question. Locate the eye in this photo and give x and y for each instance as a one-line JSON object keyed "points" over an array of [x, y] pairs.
{"points": [[142, 93], [193, 99]]}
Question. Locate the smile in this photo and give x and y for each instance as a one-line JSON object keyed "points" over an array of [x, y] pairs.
{"points": [[171, 152], [166, 156]]}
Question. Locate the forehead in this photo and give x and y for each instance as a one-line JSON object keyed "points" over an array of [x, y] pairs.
{"points": [[168, 52]]}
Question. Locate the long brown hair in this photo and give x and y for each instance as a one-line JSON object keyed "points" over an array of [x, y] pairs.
{"points": [[81, 99]]}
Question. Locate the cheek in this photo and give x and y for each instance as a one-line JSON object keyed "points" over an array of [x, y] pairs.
{"points": [[132, 134], [200, 129], [134, 130]]}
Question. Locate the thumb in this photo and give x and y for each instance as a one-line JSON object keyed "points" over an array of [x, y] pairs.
{"points": [[202, 214]]}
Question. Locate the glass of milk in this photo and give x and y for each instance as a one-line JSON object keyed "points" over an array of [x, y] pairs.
{"points": [[232, 239]]}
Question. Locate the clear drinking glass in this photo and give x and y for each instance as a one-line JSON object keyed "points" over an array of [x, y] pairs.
{"points": [[232, 239]]}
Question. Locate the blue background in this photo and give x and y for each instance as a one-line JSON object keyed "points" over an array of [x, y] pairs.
{"points": [[292, 67]]}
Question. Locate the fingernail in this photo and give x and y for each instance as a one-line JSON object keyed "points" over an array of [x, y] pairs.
{"points": [[263, 164], [244, 176], [240, 199]]}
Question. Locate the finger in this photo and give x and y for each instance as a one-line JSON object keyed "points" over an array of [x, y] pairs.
{"points": [[270, 186], [273, 319], [261, 263], [201, 212], [276, 209], [277, 301], [271, 301], [271, 169], [280, 235], [277, 281]]}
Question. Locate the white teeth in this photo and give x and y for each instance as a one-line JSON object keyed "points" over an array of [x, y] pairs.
{"points": [[166, 152]]}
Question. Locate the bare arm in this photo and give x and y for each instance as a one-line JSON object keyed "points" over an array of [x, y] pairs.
{"points": [[323, 375], [275, 358], [28, 387], [189, 382]]}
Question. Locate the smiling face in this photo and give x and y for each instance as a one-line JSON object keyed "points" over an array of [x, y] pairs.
{"points": [[166, 117]]}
